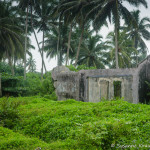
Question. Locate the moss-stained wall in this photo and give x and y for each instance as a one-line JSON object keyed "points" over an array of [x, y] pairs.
{"points": [[100, 88], [144, 75], [94, 85]]}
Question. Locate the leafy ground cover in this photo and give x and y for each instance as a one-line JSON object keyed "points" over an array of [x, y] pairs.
{"points": [[70, 124]]}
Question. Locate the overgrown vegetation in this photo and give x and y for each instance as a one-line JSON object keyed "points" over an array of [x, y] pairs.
{"points": [[77, 125], [80, 67], [15, 85], [8, 113]]}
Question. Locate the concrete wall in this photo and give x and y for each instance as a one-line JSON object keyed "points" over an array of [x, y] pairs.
{"points": [[67, 86], [144, 75], [66, 83], [103, 88], [94, 85], [92, 79]]}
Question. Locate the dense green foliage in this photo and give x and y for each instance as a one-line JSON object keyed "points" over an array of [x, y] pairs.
{"points": [[9, 113], [16, 85], [80, 67], [12, 85], [77, 125], [11, 140], [5, 68]]}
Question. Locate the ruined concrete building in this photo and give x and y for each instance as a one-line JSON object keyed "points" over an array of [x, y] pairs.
{"points": [[95, 85]]}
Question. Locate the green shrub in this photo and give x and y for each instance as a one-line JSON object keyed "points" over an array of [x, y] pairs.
{"points": [[80, 67], [9, 114], [33, 82], [51, 96], [37, 87], [78, 125], [12, 85], [10, 140], [48, 84], [5, 68]]}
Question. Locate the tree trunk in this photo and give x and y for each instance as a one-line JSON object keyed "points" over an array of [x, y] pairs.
{"points": [[136, 45], [39, 49], [69, 40], [58, 55], [78, 51], [11, 65], [58, 42], [15, 59], [37, 40], [42, 56], [25, 49], [116, 46]]}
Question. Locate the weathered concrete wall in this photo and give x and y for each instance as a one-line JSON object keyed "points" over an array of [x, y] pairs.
{"points": [[66, 83], [144, 75], [67, 86], [94, 85], [100, 88], [128, 77]]}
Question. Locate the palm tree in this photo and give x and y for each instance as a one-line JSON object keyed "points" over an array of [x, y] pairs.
{"points": [[69, 18], [126, 50], [28, 5], [113, 10], [51, 42], [138, 33], [93, 53], [76, 7], [11, 34], [31, 65], [25, 5], [69, 41], [44, 13]]}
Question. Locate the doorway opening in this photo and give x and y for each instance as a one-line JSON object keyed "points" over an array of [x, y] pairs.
{"points": [[117, 89]]}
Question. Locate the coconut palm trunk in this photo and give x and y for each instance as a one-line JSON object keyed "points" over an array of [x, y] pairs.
{"points": [[42, 56], [116, 35], [37, 40], [136, 45], [39, 48], [79, 46], [69, 40], [58, 46], [11, 65], [25, 49], [116, 46], [58, 54], [15, 60]]}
